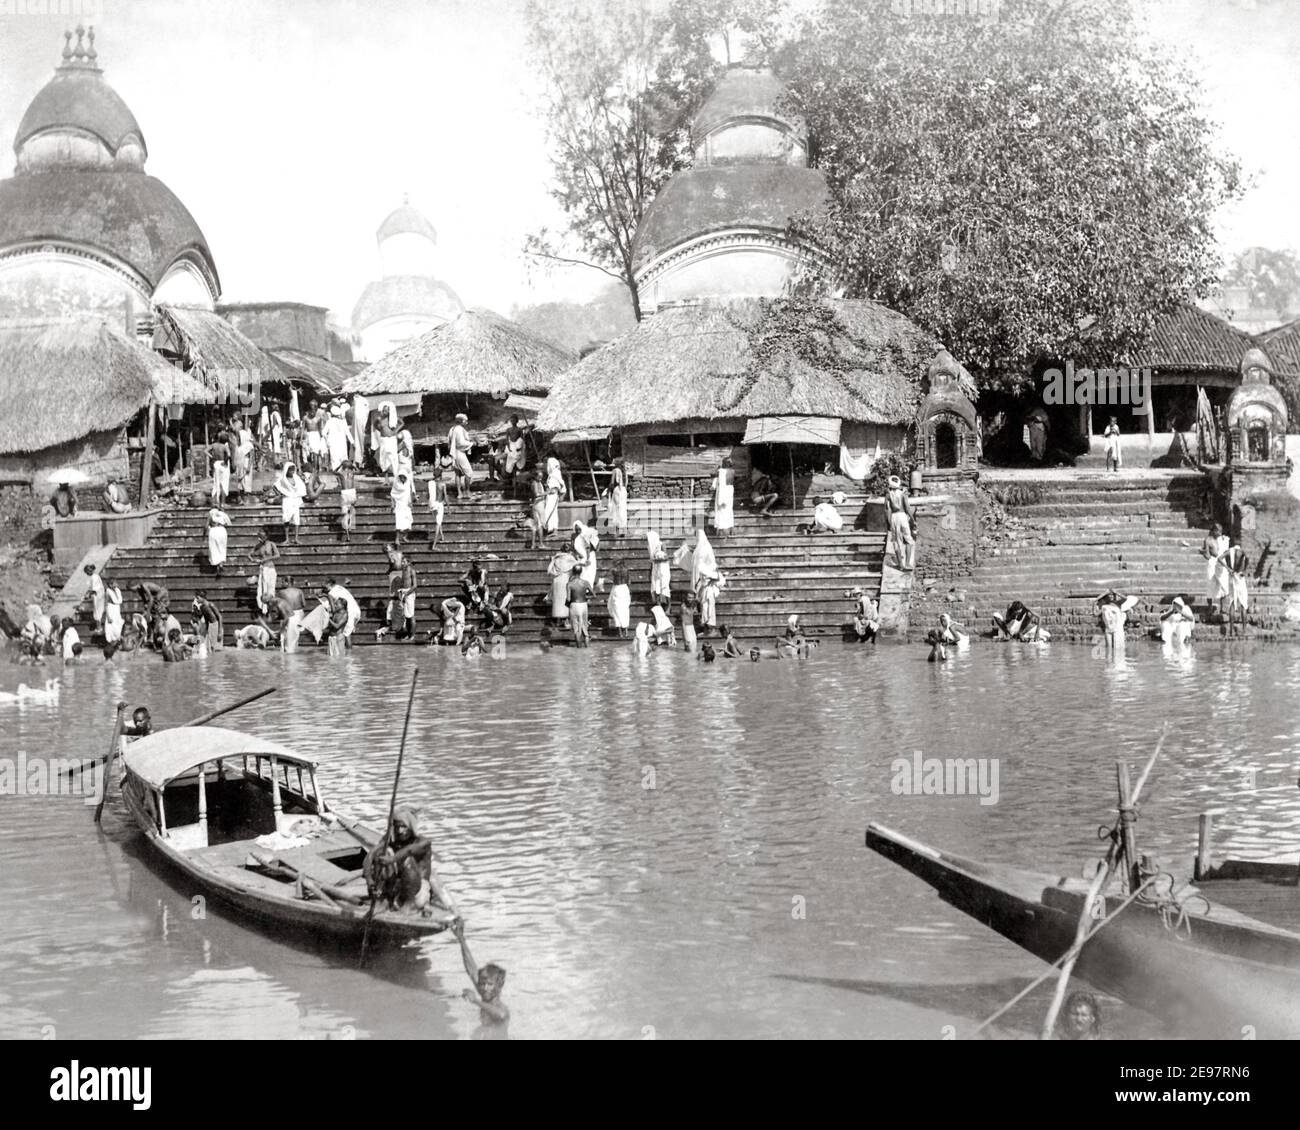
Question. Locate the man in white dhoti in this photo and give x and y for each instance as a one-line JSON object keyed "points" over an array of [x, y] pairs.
{"points": [[95, 592], [247, 449], [619, 604], [898, 509], [313, 434], [585, 543], [437, 506], [337, 436], [387, 434], [401, 499], [458, 446], [660, 566], [219, 454], [360, 428], [292, 490], [112, 612], [1235, 564], [1216, 578], [516, 449], [405, 449], [218, 520]]}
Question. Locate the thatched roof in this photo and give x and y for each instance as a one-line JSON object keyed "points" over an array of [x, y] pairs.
{"points": [[61, 381], [477, 353], [212, 350], [318, 373], [691, 362]]}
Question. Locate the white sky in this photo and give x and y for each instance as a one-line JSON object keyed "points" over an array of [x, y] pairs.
{"points": [[291, 129]]}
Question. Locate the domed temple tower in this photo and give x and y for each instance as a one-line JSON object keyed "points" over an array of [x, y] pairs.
{"points": [[83, 227], [718, 229], [408, 300]]}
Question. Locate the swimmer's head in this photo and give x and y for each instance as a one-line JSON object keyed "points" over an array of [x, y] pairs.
{"points": [[754, 654], [491, 980]]}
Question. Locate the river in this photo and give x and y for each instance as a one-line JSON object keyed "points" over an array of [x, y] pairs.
{"points": [[652, 847]]}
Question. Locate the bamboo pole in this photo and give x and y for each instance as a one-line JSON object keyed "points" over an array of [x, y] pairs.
{"points": [[146, 464], [1204, 847]]}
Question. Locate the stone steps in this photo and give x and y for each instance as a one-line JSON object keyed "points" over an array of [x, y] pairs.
{"points": [[771, 568]]}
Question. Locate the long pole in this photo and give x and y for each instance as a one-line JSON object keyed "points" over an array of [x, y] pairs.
{"points": [[108, 761], [392, 808]]}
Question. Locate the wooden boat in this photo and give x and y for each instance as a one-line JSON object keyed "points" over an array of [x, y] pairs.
{"points": [[244, 820], [1206, 969]]}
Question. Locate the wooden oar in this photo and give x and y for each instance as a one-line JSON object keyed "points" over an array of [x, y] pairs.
{"points": [[108, 761], [201, 720], [326, 893], [392, 808]]}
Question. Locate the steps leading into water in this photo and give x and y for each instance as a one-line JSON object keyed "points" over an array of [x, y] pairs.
{"points": [[772, 568]]}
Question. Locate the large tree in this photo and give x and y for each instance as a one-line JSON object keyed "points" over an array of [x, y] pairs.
{"points": [[1042, 182], [1271, 278], [622, 80]]}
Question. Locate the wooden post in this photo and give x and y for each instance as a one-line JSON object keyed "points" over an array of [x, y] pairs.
{"points": [[1204, 847], [162, 813], [203, 801], [1127, 820], [146, 466], [276, 806]]}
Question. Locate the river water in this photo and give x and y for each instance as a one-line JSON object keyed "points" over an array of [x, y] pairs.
{"points": [[652, 847]]}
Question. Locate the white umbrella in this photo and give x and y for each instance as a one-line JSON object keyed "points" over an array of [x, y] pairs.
{"points": [[69, 475]]}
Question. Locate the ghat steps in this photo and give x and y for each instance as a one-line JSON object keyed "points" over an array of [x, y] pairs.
{"points": [[771, 568], [1069, 539]]}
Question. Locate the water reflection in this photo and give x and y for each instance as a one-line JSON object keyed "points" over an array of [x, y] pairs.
{"points": [[645, 843]]}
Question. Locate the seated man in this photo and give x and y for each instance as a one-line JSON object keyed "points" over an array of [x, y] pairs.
{"points": [[399, 870], [762, 495], [64, 501], [115, 497]]}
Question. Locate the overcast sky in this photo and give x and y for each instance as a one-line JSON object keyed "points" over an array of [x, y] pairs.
{"points": [[291, 129]]}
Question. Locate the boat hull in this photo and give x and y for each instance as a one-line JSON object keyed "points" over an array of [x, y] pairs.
{"points": [[1214, 973]]}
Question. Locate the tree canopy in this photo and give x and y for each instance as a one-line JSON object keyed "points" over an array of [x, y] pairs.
{"points": [[1039, 183]]}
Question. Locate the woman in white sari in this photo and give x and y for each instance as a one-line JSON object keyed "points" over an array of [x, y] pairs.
{"points": [[292, 490], [401, 496], [220, 456], [706, 581], [218, 520], [724, 495], [560, 571], [247, 449], [112, 612], [277, 433], [660, 567], [585, 543], [554, 493]]}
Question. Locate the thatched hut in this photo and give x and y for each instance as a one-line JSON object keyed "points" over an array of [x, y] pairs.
{"points": [[68, 390], [471, 365], [694, 384], [209, 348]]}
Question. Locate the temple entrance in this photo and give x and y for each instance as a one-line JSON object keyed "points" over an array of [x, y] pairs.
{"points": [[1257, 444], [945, 446]]}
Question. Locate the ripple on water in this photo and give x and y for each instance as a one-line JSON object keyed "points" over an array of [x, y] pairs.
{"points": [[644, 843]]}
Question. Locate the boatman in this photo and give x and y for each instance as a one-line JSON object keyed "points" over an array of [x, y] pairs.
{"points": [[399, 869]]}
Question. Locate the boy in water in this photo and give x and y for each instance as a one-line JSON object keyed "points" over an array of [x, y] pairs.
{"points": [[730, 648], [141, 723], [489, 981]]}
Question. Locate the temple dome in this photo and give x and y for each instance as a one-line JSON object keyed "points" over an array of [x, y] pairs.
{"points": [[405, 296], [746, 92], [406, 220], [78, 120], [698, 201]]}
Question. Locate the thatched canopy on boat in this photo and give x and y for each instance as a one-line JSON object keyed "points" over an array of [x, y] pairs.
{"points": [[61, 381], [849, 359], [169, 754], [209, 348], [476, 353]]}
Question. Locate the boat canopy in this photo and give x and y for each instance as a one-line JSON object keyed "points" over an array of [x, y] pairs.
{"points": [[166, 755]]}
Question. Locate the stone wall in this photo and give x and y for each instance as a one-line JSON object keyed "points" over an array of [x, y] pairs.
{"points": [[1265, 515]]}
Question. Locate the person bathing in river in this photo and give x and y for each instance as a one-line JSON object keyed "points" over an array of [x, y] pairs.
{"points": [[1234, 565], [205, 619], [1216, 581], [579, 594], [688, 613], [1112, 613], [474, 586], [866, 616], [730, 648], [1177, 622], [953, 634], [1013, 623], [619, 604], [488, 982]]}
